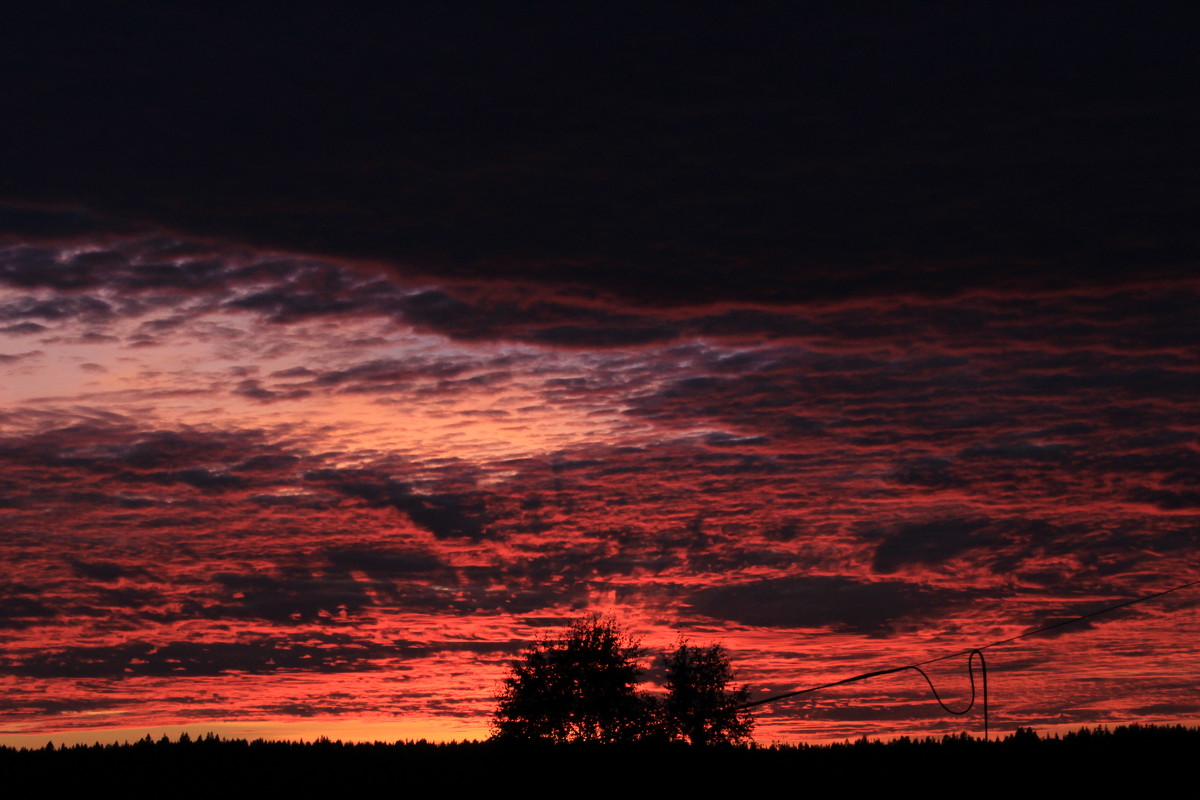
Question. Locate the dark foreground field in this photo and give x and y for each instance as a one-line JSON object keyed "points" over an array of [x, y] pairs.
{"points": [[1135, 758]]}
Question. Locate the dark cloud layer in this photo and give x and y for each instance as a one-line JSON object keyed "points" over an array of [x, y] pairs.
{"points": [[198, 658], [777, 154], [875, 608]]}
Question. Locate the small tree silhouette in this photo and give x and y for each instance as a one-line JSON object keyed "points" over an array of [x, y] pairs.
{"points": [[580, 686], [700, 707]]}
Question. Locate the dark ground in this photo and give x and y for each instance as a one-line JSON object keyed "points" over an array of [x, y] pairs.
{"points": [[1103, 760]]}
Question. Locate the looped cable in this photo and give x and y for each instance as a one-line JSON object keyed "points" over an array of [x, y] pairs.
{"points": [[971, 675], [970, 659], [970, 671]]}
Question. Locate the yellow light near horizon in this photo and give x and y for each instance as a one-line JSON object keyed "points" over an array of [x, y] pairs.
{"points": [[433, 729]]}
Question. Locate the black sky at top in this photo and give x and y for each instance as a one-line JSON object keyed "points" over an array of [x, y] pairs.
{"points": [[758, 153]]}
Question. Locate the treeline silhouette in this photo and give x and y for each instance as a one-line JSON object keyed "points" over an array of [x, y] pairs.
{"points": [[1096, 759]]}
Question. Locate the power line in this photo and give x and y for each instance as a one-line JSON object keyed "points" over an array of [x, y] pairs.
{"points": [[970, 653], [1065, 622]]}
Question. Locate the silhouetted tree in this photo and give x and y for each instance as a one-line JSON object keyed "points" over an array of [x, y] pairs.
{"points": [[580, 686], [700, 707]]}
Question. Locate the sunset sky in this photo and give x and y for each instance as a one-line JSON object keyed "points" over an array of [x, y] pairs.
{"points": [[342, 357]]}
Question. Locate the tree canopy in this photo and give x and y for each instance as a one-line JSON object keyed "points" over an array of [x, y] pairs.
{"points": [[700, 707], [581, 686]]}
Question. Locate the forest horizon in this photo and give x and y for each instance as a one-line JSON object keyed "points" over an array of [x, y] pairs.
{"points": [[344, 355], [239, 768]]}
